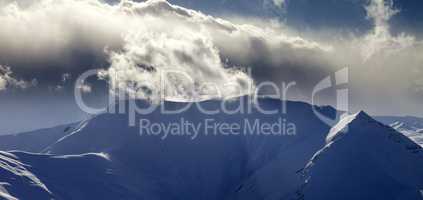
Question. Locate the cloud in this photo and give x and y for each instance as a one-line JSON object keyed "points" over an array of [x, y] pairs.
{"points": [[66, 77], [195, 45], [3, 83], [182, 61], [380, 38], [134, 42], [279, 3], [85, 88], [7, 80], [385, 68], [128, 37]]}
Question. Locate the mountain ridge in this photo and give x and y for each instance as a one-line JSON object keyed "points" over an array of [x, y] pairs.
{"points": [[373, 157], [105, 158]]}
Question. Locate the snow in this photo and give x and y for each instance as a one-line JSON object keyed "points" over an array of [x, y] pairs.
{"points": [[4, 194], [18, 181], [411, 127], [104, 158], [34, 141], [100, 155], [210, 167], [341, 126], [366, 161]]}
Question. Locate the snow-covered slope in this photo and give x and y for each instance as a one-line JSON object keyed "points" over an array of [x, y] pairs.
{"points": [[412, 127], [252, 166], [106, 159], [35, 141], [17, 182], [44, 177], [364, 159]]}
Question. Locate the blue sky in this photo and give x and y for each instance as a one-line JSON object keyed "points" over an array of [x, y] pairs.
{"points": [[310, 14]]}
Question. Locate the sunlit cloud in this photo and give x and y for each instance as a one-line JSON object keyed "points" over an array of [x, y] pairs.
{"points": [[85, 88], [279, 3], [8, 81], [380, 40], [131, 36], [134, 41]]}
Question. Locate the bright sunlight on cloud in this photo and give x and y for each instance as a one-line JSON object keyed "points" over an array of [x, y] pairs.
{"points": [[134, 41]]}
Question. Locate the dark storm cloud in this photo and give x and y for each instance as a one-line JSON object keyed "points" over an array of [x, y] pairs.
{"points": [[46, 39]]}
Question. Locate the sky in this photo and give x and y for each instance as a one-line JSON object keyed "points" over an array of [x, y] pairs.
{"points": [[46, 45]]}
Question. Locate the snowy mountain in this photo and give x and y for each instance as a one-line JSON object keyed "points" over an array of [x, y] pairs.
{"points": [[364, 159], [237, 166], [35, 141], [104, 158], [412, 127], [34, 176], [18, 181]]}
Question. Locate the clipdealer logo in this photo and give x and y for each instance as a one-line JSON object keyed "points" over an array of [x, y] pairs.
{"points": [[120, 103]]}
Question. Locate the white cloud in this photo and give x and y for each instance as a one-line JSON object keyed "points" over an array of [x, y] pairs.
{"points": [[279, 3], [181, 59], [85, 88], [151, 34], [7, 80], [138, 40], [380, 40], [384, 67], [66, 77], [175, 38], [3, 83]]}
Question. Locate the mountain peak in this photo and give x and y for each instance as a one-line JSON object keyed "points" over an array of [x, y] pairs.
{"points": [[363, 115], [347, 122]]}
